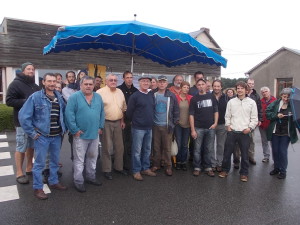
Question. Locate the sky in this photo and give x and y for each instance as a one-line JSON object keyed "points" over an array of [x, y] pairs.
{"points": [[247, 31]]}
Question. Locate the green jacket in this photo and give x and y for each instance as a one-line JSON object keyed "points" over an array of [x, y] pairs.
{"points": [[271, 113]]}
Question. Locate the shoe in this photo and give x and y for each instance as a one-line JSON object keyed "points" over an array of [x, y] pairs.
{"points": [[80, 187], [169, 171], [29, 173], [252, 161], [178, 166], [244, 178], [22, 179], [281, 176], [183, 167], [274, 172], [59, 174], [210, 173], [108, 175], [219, 169], [214, 169], [138, 177], [58, 186], [93, 182], [223, 174], [148, 172], [236, 166], [196, 173], [265, 160], [123, 172], [40, 194], [155, 168]]}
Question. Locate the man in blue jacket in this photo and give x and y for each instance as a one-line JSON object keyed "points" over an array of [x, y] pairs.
{"points": [[85, 120], [42, 118]]}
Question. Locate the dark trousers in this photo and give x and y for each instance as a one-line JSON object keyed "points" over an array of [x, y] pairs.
{"points": [[280, 146], [243, 141], [127, 145]]}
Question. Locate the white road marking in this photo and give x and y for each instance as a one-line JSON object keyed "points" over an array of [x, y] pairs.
{"points": [[9, 193], [6, 170], [3, 144], [5, 155], [3, 136], [46, 189]]}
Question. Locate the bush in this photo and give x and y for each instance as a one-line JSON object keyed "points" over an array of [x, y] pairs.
{"points": [[6, 118]]}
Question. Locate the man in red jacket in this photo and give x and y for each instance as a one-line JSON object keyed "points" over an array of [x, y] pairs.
{"points": [[265, 102]]}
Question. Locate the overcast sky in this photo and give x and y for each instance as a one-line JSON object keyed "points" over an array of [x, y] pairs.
{"points": [[247, 31]]}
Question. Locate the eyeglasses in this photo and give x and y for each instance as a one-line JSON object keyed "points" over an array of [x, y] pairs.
{"points": [[88, 84], [112, 80]]}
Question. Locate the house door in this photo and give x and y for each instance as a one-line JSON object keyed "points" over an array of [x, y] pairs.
{"points": [[283, 83]]}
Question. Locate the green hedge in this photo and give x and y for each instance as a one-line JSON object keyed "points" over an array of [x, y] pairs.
{"points": [[6, 118]]}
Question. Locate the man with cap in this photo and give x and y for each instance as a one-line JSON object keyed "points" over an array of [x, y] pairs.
{"points": [[17, 93], [140, 111], [166, 115]]}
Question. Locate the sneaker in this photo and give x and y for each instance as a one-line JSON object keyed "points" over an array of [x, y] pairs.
{"points": [[223, 174], [265, 160], [244, 178], [196, 173], [138, 177], [210, 173], [148, 172], [274, 172]]}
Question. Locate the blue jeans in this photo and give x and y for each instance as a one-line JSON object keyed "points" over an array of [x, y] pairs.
{"points": [[140, 149], [41, 147], [280, 146], [243, 141], [205, 137], [182, 138]]}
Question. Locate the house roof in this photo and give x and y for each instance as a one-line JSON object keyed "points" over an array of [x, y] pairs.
{"points": [[297, 52], [205, 30]]}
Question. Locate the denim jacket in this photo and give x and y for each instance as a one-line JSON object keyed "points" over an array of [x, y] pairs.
{"points": [[35, 116]]}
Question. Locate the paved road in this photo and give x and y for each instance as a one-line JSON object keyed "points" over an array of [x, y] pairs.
{"points": [[180, 199]]}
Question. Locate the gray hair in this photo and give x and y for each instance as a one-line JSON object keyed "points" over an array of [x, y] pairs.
{"points": [[86, 78], [286, 91], [265, 89]]}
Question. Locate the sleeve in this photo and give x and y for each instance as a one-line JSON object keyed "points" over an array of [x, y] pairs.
{"points": [[13, 99], [102, 114], [259, 108], [130, 107], [192, 106], [228, 114], [25, 117], [215, 104], [175, 110], [70, 116], [271, 111], [253, 116]]}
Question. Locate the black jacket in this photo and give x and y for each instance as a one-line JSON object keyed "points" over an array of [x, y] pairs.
{"points": [[127, 91], [222, 104], [256, 98], [18, 92]]}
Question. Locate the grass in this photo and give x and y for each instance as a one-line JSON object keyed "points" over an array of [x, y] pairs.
{"points": [[6, 118]]}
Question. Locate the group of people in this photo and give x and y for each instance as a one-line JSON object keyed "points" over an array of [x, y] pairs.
{"points": [[136, 127]]}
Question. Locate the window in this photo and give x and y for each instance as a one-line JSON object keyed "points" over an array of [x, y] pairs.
{"points": [[283, 83]]}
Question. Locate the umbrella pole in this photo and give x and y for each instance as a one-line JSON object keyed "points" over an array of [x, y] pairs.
{"points": [[131, 64]]}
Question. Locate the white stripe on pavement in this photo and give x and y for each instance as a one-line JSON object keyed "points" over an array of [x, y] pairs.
{"points": [[3, 144], [5, 155], [9, 193], [6, 170], [3, 136]]}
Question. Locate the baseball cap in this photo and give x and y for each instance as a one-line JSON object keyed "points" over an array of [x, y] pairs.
{"points": [[145, 77], [162, 77]]}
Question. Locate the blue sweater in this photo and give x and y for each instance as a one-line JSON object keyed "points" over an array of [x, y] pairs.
{"points": [[80, 115], [140, 110]]}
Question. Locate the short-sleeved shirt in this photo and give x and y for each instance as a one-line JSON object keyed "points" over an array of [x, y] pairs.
{"points": [[160, 113], [203, 107]]}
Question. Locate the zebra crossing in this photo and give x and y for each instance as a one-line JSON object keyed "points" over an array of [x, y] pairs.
{"points": [[9, 192]]}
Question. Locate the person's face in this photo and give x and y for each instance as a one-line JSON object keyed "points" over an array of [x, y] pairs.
{"points": [[285, 98], [217, 88], [128, 79], [208, 86], [58, 85], [59, 78], [29, 71], [112, 81], [81, 75], [71, 78], [177, 81], [241, 91], [185, 89], [250, 84], [230, 93], [153, 84], [201, 85], [199, 76], [97, 82], [144, 84], [162, 84], [49, 83], [87, 87], [266, 94]]}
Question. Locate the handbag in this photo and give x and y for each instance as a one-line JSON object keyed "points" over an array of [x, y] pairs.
{"points": [[174, 147]]}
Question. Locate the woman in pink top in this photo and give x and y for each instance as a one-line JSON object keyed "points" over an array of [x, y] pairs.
{"points": [[182, 129]]}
